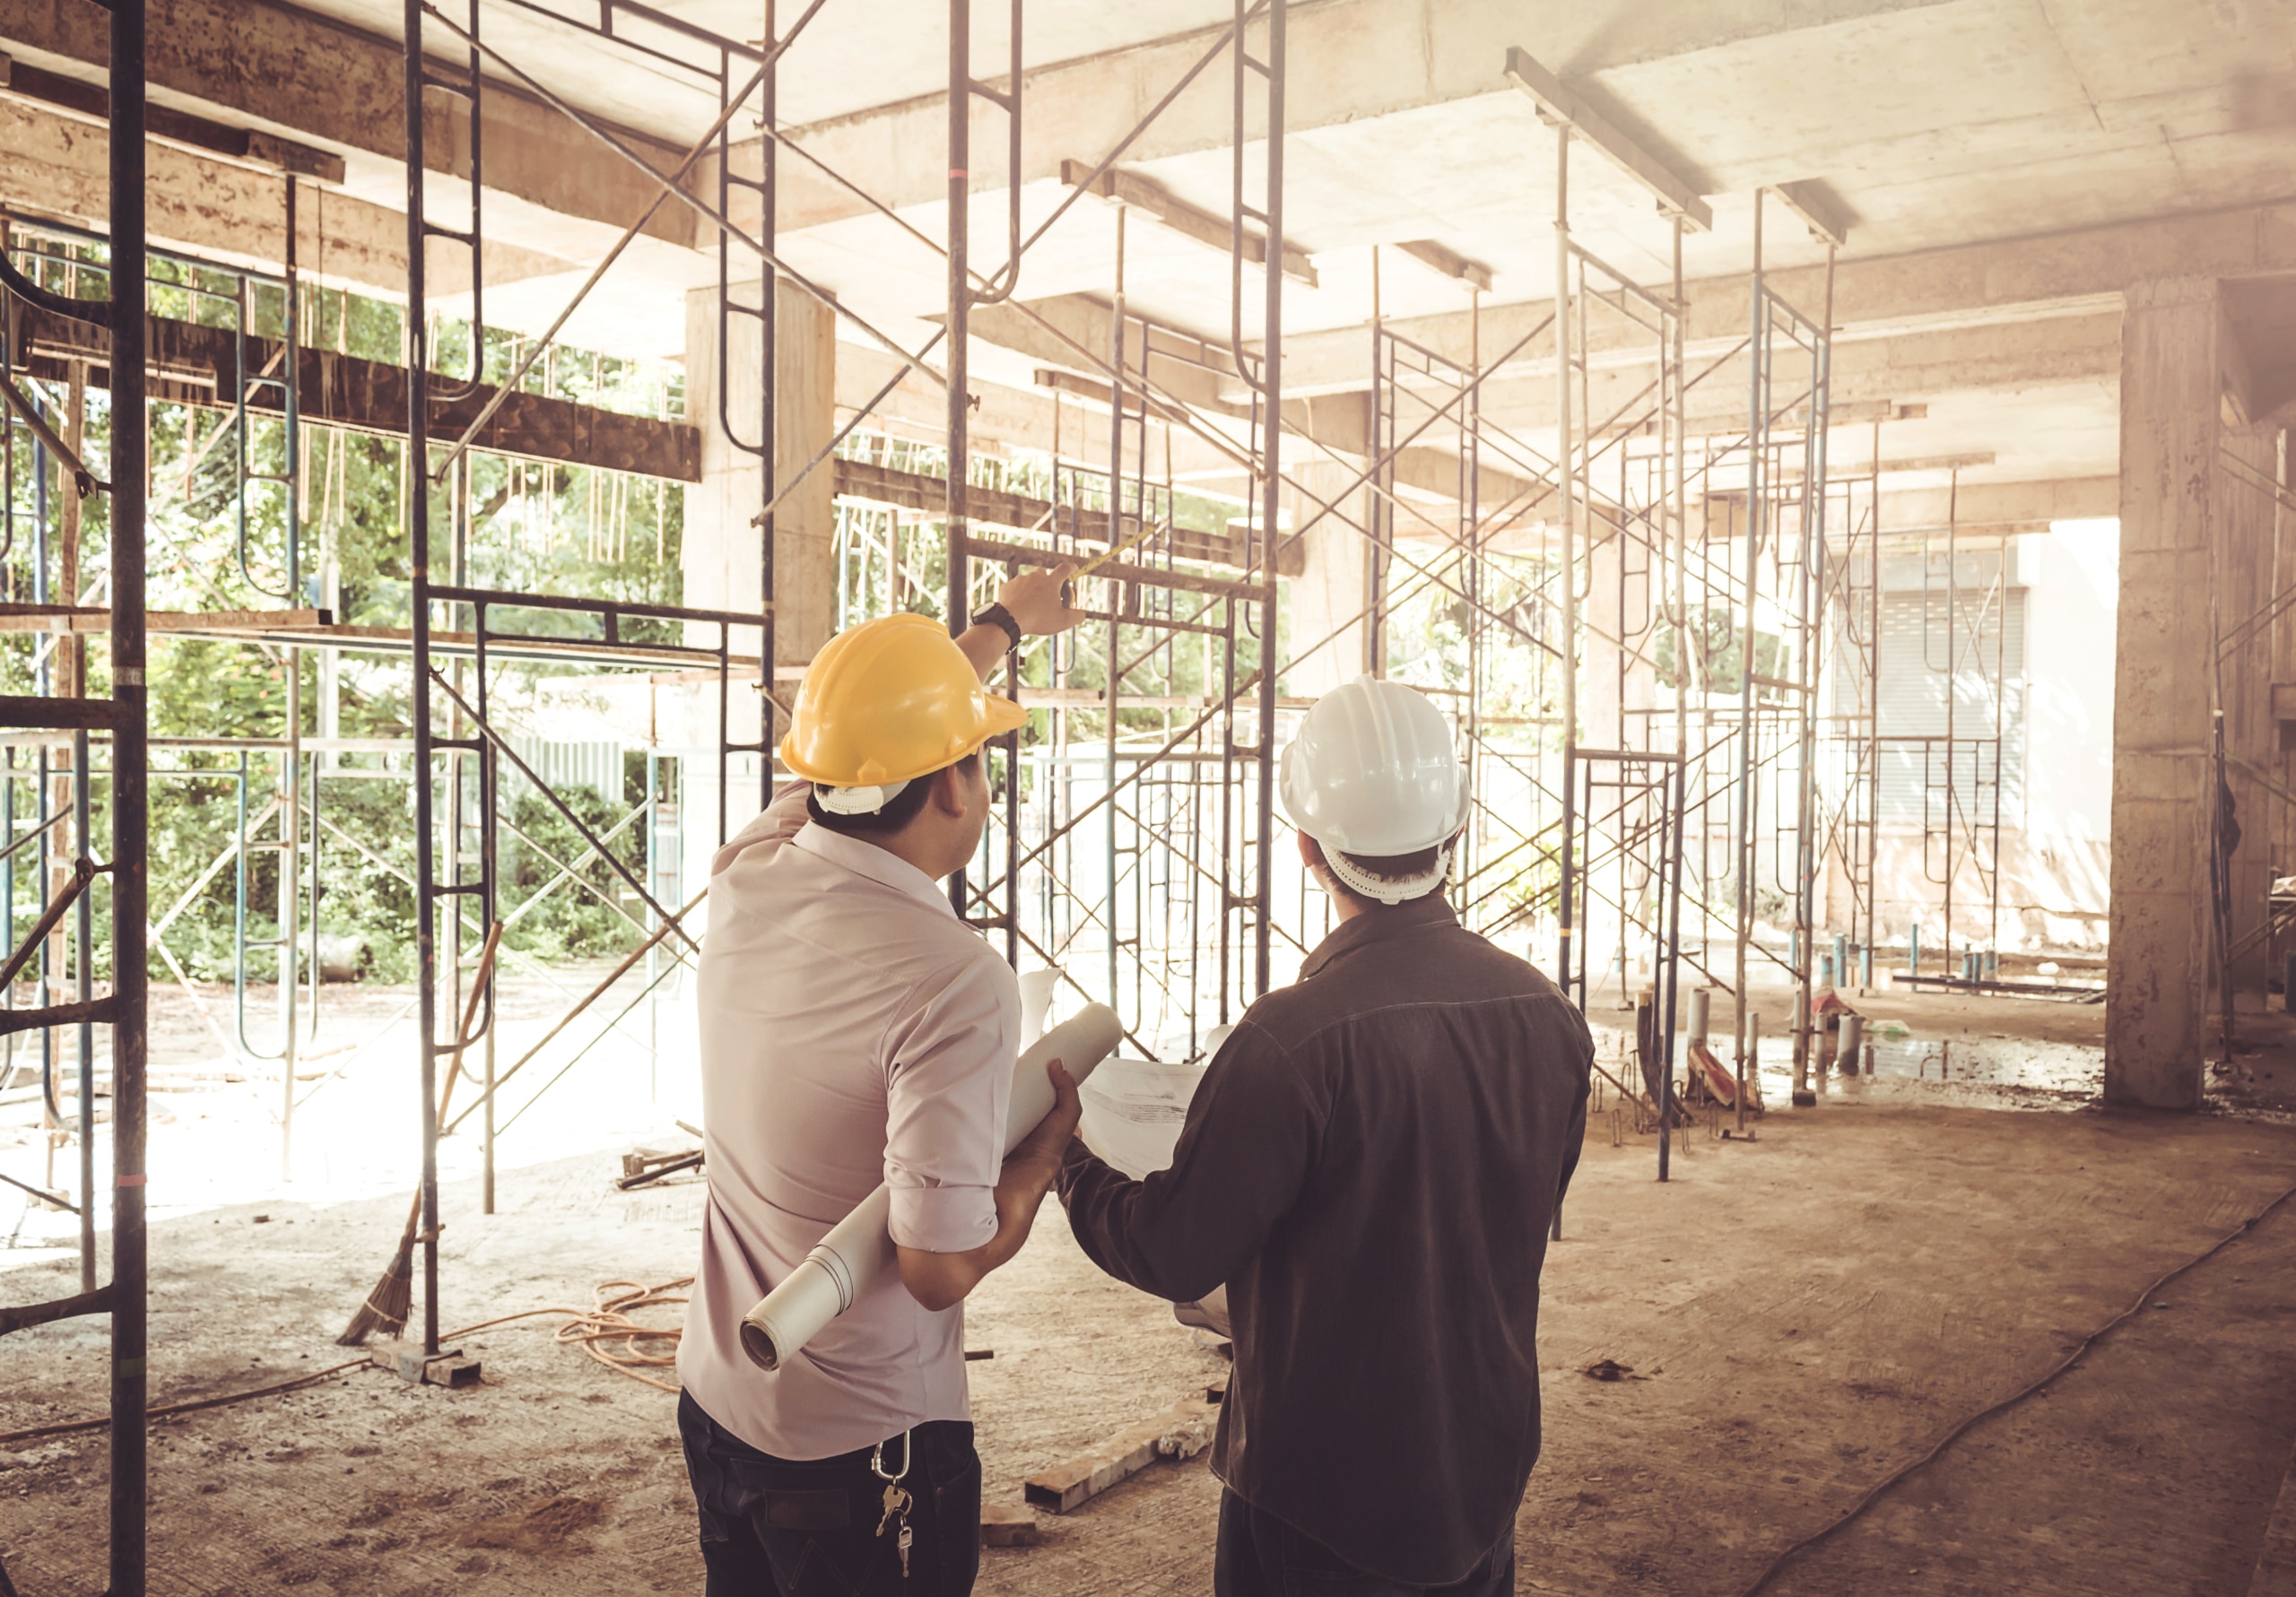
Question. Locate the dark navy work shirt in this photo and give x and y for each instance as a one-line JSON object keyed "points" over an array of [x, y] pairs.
{"points": [[1370, 1165]]}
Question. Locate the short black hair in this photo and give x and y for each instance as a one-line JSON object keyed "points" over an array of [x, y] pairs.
{"points": [[901, 809]]}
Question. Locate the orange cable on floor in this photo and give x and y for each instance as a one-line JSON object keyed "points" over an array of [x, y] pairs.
{"points": [[595, 1331]]}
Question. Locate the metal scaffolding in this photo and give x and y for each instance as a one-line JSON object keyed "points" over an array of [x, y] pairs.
{"points": [[1663, 647], [63, 711]]}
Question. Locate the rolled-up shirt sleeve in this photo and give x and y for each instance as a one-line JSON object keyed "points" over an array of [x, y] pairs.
{"points": [[951, 1079]]}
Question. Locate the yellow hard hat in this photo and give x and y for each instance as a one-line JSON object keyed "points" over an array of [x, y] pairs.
{"points": [[888, 700]]}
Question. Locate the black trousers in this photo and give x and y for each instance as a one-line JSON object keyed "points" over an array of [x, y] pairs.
{"points": [[774, 1528], [1260, 1556]]}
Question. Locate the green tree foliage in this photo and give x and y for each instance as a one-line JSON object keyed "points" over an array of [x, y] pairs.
{"points": [[596, 914], [228, 489]]}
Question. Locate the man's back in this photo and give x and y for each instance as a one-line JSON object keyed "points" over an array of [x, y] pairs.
{"points": [[853, 1030], [1371, 1166]]}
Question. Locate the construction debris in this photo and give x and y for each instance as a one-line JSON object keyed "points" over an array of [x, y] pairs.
{"points": [[1181, 1431], [1004, 1525]]}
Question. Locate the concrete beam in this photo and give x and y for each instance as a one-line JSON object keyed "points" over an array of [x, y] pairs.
{"points": [[1349, 61], [1826, 217], [1565, 106], [1999, 506], [1339, 424], [1445, 262], [91, 102], [1155, 201], [1873, 378], [1996, 283], [230, 211], [298, 76]]}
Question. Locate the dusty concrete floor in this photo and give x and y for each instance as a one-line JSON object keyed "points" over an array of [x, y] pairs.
{"points": [[1802, 1313]]}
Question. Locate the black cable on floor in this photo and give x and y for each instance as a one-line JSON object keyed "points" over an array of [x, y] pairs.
{"points": [[1955, 1435]]}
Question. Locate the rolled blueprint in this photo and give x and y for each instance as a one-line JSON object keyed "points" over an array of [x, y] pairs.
{"points": [[858, 1248], [1035, 1001]]}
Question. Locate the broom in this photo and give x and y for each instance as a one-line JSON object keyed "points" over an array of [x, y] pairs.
{"points": [[388, 1306]]}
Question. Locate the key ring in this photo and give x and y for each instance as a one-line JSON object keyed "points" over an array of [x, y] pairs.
{"points": [[877, 1459]]}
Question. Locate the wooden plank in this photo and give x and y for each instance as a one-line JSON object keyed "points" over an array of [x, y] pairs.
{"points": [[1005, 1524], [54, 618], [1180, 1431], [197, 365], [1121, 570], [929, 495], [988, 506], [32, 710], [25, 1316]]}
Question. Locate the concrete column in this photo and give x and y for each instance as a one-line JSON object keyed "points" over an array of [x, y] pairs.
{"points": [[722, 546], [1333, 589], [2244, 584], [2158, 968], [2281, 643]]}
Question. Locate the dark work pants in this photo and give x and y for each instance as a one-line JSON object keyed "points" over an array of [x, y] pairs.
{"points": [[772, 1528], [1260, 1556]]}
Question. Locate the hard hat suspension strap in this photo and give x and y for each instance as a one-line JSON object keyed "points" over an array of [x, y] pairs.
{"points": [[1364, 884], [856, 800]]}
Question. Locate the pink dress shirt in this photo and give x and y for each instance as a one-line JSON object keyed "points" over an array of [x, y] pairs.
{"points": [[853, 1030]]}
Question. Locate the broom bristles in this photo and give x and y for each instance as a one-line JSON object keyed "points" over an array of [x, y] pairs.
{"points": [[389, 1305], [386, 1306]]}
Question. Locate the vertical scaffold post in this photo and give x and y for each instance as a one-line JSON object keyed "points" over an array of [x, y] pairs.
{"points": [[130, 881], [1271, 482], [1757, 441], [418, 530], [764, 448], [960, 337], [1566, 501]]}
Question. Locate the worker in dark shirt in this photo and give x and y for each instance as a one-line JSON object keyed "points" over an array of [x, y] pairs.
{"points": [[1370, 1165]]}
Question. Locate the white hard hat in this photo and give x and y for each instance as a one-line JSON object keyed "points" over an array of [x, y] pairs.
{"points": [[1373, 773]]}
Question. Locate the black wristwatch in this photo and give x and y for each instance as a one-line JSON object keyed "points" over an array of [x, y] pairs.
{"points": [[996, 615]]}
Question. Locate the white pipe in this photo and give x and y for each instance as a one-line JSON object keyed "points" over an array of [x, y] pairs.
{"points": [[859, 1247]]}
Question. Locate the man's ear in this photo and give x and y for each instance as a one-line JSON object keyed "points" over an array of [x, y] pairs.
{"points": [[1311, 852], [949, 789]]}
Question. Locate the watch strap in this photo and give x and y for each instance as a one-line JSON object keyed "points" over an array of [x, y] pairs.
{"points": [[996, 615]]}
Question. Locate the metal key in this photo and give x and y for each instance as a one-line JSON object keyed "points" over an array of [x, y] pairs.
{"points": [[902, 1541], [897, 1504]]}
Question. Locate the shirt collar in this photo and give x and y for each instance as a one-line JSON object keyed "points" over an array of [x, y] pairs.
{"points": [[866, 859], [1377, 923]]}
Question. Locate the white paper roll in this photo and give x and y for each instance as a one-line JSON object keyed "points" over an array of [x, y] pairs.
{"points": [[828, 1280], [1037, 987]]}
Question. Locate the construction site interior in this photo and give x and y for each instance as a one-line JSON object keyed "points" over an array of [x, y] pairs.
{"points": [[1829, 460]]}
